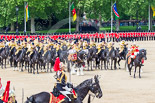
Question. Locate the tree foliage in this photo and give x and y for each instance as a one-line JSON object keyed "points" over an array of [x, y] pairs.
{"points": [[44, 9]]}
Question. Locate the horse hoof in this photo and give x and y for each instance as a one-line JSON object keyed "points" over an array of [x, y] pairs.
{"points": [[73, 73]]}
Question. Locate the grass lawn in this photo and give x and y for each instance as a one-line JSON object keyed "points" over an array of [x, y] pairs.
{"points": [[122, 28]]}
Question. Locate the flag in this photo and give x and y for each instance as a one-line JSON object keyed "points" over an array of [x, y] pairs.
{"points": [[73, 12], [6, 93], [27, 13], [115, 11], [153, 9]]}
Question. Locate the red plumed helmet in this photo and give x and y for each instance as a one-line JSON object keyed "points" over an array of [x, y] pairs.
{"points": [[56, 65], [6, 93]]}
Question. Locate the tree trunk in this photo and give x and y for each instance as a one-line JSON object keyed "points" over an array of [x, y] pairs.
{"points": [[100, 21], [32, 25], [50, 22], [12, 27], [117, 25], [78, 21]]}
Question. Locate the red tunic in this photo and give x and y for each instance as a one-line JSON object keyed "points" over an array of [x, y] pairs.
{"points": [[137, 50]]}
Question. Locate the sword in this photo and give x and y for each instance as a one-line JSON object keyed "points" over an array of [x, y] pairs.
{"points": [[22, 95]]}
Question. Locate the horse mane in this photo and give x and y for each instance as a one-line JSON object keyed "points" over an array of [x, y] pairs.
{"points": [[84, 83], [141, 50]]}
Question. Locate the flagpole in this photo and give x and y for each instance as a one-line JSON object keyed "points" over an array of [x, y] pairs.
{"points": [[69, 17], [149, 18], [69, 33], [24, 16], [111, 17]]}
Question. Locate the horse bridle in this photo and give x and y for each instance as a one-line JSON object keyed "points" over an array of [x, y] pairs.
{"points": [[92, 88]]}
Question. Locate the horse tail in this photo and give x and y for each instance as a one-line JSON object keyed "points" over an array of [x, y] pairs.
{"points": [[89, 98]]}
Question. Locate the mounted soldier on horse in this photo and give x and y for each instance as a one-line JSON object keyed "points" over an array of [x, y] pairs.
{"points": [[7, 95]]}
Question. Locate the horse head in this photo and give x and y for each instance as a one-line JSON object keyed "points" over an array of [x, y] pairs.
{"points": [[94, 52], [144, 54], [64, 47], [82, 54], [95, 87], [36, 56], [7, 49], [30, 100], [117, 52]]}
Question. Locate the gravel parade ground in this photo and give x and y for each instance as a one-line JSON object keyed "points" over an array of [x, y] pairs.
{"points": [[117, 86]]}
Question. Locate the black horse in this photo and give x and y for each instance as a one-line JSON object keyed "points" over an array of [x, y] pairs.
{"points": [[113, 55], [4, 55], [122, 55], [21, 58], [64, 56], [127, 66], [103, 57], [81, 90], [91, 55], [138, 62], [45, 60], [11, 56], [34, 61]]}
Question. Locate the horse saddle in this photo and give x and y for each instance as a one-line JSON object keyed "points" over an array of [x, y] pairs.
{"points": [[59, 98]]}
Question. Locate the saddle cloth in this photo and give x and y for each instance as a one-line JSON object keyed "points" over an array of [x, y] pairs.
{"points": [[60, 98], [72, 55], [142, 61]]}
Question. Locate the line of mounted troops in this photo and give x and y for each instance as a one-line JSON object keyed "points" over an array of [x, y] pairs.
{"points": [[45, 43]]}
